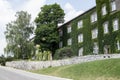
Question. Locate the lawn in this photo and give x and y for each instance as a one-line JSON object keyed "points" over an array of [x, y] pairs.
{"points": [[96, 70]]}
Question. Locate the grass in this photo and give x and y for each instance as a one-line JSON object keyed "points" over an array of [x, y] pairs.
{"points": [[96, 70]]}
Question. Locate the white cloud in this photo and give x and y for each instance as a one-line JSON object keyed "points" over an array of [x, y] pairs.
{"points": [[3, 45], [7, 15], [70, 12], [33, 7]]}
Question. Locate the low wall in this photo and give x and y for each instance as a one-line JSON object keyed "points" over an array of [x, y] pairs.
{"points": [[34, 65]]}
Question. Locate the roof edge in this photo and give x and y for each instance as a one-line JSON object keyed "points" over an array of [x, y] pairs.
{"points": [[77, 16]]}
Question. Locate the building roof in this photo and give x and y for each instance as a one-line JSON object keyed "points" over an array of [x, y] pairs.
{"points": [[77, 16]]}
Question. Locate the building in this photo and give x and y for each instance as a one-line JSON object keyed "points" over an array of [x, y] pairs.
{"points": [[96, 31]]}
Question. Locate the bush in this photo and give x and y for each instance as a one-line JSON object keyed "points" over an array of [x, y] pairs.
{"points": [[46, 55], [63, 53], [9, 58], [43, 56], [2, 60]]}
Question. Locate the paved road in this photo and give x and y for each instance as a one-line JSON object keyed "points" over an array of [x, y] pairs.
{"points": [[14, 74]]}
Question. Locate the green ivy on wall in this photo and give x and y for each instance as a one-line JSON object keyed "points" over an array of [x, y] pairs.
{"points": [[110, 38], [88, 42]]}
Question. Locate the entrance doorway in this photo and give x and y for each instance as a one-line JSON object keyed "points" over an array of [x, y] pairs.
{"points": [[107, 49], [80, 52]]}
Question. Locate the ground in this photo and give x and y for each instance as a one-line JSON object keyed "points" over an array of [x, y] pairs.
{"points": [[96, 70]]}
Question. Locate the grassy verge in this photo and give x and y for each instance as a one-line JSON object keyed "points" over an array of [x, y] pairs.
{"points": [[96, 70]]}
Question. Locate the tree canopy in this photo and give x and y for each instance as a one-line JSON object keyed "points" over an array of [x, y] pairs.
{"points": [[18, 34], [50, 14], [46, 33]]}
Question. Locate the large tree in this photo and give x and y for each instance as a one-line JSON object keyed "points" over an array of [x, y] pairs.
{"points": [[18, 35], [46, 33]]}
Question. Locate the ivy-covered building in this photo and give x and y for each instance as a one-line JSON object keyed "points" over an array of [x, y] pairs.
{"points": [[96, 31]]}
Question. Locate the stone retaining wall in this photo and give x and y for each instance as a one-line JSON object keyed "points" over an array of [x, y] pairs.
{"points": [[34, 65]]}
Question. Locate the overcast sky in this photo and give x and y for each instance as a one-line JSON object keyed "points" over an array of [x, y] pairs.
{"points": [[8, 8]]}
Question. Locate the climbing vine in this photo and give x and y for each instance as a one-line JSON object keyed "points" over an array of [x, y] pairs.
{"points": [[102, 39]]}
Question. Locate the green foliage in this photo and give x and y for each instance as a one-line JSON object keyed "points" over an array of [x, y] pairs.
{"points": [[47, 37], [50, 14], [46, 55], [2, 60], [96, 70], [46, 33], [112, 36], [42, 56], [63, 53], [9, 58], [17, 36], [85, 30], [102, 39]]}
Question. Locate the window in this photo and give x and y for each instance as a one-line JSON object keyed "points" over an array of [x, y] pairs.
{"points": [[80, 38], [69, 28], [80, 52], [60, 32], [105, 25], [69, 41], [113, 6], [94, 17], [118, 45], [115, 25], [95, 48], [94, 33], [60, 44], [104, 11], [80, 24]]}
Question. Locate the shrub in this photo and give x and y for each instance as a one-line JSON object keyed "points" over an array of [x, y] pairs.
{"points": [[2, 60], [9, 58], [42, 55], [63, 53], [46, 55]]}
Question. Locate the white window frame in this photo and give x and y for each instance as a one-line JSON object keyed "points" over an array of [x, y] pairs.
{"points": [[113, 6], [105, 27], [104, 10], [80, 24], [60, 44], [118, 44], [69, 41], [115, 24], [94, 33], [69, 29], [80, 52], [94, 17], [80, 38], [95, 48]]}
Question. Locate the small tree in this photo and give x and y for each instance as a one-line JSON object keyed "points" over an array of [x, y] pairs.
{"points": [[43, 56], [2, 60], [17, 36]]}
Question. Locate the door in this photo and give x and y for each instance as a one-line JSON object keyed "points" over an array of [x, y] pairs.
{"points": [[106, 49], [80, 52]]}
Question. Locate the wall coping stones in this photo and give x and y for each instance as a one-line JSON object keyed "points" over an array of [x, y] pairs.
{"points": [[35, 65]]}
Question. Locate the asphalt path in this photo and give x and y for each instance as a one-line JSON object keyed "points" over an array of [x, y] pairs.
{"points": [[7, 73]]}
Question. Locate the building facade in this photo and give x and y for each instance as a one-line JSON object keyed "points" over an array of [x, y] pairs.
{"points": [[96, 31]]}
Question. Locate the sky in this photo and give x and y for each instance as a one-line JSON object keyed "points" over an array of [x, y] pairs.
{"points": [[8, 8]]}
